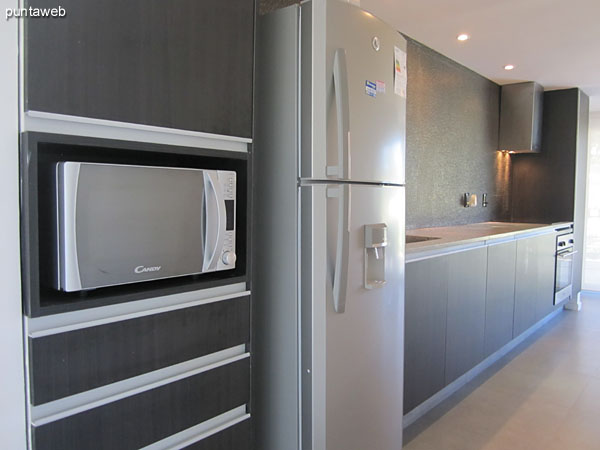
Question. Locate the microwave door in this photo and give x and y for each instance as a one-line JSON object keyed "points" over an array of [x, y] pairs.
{"points": [[125, 224]]}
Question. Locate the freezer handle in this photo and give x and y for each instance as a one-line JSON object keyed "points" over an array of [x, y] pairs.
{"points": [[340, 83], [340, 276]]}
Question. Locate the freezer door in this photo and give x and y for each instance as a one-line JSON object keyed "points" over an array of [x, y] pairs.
{"points": [[352, 316], [357, 91]]}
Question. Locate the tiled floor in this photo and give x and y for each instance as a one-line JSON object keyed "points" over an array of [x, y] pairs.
{"points": [[543, 395]]}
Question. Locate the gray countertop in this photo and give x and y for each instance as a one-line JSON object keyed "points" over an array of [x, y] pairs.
{"points": [[462, 237]]}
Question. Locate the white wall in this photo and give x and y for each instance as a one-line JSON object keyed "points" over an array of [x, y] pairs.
{"points": [[12, 387], [591, 257]]}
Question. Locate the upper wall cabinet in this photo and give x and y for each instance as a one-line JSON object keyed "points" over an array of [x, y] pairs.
{"points": [[185, 64]]}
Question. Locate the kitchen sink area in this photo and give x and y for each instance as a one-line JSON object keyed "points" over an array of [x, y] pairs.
{"points": [[411, 239]]}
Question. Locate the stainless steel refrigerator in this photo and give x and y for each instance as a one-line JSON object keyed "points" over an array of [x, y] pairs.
{"points": [[329, 214]]}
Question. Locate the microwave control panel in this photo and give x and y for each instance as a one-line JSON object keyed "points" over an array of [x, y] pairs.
{"points": [[228, 185]]}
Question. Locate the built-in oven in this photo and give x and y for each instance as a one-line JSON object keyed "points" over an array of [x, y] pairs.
{"points": [[564, 267]]}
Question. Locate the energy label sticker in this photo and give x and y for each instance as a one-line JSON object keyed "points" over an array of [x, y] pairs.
{"points": [[400, 75], [370, 88]]}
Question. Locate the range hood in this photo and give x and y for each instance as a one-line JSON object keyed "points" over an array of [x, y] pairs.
{"points": [[521, 118]]}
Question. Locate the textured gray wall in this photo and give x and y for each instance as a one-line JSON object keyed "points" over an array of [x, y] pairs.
{"points": [[264, 6], [451, 143], [452, 138]]}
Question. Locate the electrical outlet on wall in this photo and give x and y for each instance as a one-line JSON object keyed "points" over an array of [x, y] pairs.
{"points": [[469, 200]]}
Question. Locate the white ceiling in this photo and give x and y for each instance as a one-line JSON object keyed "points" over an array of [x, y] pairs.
{"points": [[553, 42]]}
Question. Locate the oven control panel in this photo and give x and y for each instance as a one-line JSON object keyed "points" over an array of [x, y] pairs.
{"points": [[564, 242]]}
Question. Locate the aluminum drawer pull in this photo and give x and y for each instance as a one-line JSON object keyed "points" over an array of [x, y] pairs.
{"points": [[340, 83], [340, 276]]}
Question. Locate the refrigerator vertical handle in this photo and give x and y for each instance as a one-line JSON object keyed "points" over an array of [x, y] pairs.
{"points": [[340, 276], [340, 83]]}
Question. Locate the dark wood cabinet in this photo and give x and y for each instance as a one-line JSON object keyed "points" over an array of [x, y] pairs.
{"points": [[466, 311], [184, 65], [500, 296], [237, 437], [144, 418], [425, 330], [68, 363]]}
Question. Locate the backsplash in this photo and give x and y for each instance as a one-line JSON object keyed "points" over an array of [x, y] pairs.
{"points": [[451, 142], [264, 6]]}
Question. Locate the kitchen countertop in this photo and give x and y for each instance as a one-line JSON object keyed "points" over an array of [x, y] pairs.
{"points": [[474, 235]]}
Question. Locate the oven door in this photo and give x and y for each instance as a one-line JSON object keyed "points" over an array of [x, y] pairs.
{"points": [[564, 275]]}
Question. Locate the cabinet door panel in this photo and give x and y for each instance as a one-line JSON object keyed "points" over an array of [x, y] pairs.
{"points": [[525, 285], [500, 296], [185, 65], [466, 311], [546, 249], [144, 418], [425, 330]]}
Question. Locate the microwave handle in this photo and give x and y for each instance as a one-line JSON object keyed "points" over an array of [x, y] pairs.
{"points": [[214, 233]]}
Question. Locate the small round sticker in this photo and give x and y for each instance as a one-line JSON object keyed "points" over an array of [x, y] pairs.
{"points": [[376, 43]]}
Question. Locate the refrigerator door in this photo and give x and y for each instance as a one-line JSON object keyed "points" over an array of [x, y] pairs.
{"points": [[358, 88], [352, 316]]}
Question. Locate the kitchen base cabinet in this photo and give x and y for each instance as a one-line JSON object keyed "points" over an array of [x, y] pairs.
{"points": [[466, 311], [500, 296], [525, 285], [546, 250], [462, 307], [534, 283], [424, 330]]}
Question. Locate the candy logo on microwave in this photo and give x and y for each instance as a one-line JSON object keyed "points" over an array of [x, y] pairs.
{"points": [[144, 269]]}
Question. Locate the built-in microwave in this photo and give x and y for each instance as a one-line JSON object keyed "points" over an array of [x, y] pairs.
{"points": [[119, 224]]}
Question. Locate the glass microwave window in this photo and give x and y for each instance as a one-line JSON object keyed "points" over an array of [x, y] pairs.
{"points": [[229, 209]]}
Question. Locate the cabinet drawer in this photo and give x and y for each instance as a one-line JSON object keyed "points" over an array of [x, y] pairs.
{"points": [[237, 437], [76, 361], [147, 417]]}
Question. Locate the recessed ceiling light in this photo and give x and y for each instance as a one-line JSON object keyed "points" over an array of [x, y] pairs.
{"points": [[509, 67], [463, 37]]}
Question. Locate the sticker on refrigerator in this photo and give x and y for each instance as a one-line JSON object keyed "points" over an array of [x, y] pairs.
{"points": [[400, 74], [370, 88], [380, 87]]}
